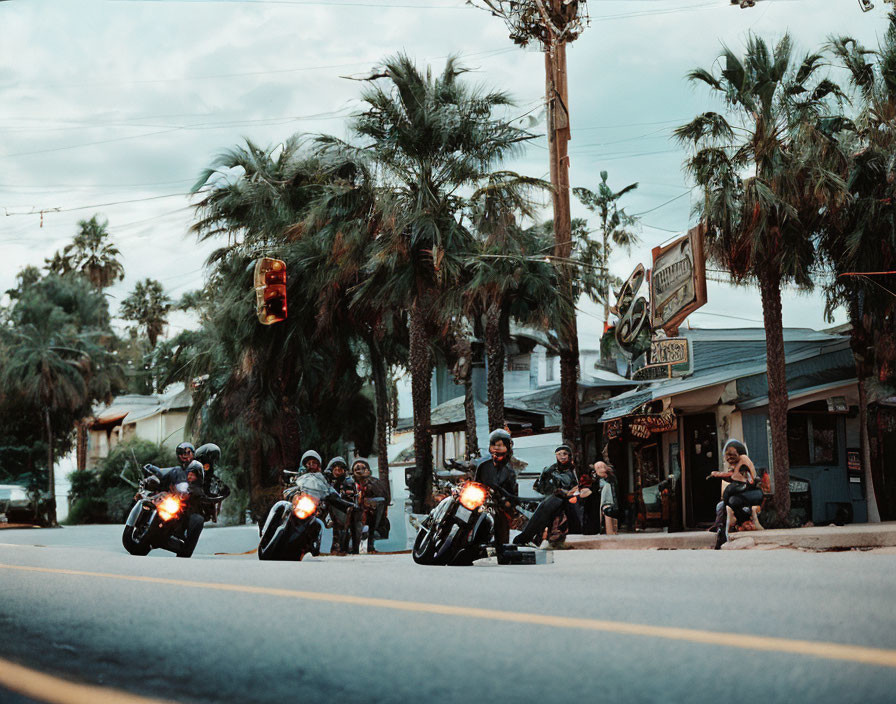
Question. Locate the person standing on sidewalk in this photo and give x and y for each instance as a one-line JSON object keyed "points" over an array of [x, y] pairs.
{"points": [[609, 504]]}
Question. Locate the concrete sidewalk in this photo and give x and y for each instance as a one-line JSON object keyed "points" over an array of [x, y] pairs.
{"points": [[856, 535]]}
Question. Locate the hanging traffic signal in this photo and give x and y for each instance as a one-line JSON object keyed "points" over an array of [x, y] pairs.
{"points": [[270, 290]]}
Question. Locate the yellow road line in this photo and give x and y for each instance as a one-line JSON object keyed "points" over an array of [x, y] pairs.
{"points": [[830, 651], [54, 690]]}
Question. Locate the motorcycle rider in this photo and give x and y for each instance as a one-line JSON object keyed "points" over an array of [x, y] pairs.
{"points": [[310, 462], [336, 473], [496, 472], [560, 484], [374, 498], [186, 453]]}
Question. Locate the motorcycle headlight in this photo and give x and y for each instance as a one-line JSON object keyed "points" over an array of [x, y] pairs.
{"points": [[304, 506], [169, 507], [472, 496]]}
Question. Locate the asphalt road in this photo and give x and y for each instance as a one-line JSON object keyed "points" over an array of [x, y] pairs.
{"points": [[645, 626]]}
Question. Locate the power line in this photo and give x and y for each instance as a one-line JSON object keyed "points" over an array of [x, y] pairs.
{"points": [[98, 205]]}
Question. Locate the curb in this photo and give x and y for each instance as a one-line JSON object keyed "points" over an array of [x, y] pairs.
{"points": [[819, 538]]}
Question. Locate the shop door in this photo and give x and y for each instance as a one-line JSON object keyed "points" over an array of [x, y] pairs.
{"points": [[701, 458]]}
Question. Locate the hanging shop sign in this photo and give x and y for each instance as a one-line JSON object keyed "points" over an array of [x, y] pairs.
{"points": [[677, 281], [668, 358], [643, 426], [613, 429]]}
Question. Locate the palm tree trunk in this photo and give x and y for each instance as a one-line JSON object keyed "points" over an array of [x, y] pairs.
{"points": [[776, 371], [494, 350], [381, 395], [51, 473], [870, 495], [420, 363], [471, 441]]}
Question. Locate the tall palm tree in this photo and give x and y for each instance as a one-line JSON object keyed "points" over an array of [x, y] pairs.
{"points": [[765, 191], [148, 306], [615, 227], [863, 236], [429, 136], [510, 276], [92, 253], [336, 240]]}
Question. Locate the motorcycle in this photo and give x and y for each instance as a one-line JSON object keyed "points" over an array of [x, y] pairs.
{"points": [[457, 530], [294, 525], [162, 518]]}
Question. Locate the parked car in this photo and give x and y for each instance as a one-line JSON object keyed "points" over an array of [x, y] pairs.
{"points": [[16, 503]]}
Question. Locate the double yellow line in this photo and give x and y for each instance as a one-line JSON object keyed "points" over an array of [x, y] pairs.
{"points": [[830, 651]]}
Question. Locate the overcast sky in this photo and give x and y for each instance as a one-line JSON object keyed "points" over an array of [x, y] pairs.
{"points": [[114, 107]]}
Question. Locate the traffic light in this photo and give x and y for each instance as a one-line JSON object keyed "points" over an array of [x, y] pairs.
{"points": [[270, 290]]}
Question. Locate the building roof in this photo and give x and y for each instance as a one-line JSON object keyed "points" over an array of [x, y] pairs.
{"points": [[129, 408], [719, 366]]}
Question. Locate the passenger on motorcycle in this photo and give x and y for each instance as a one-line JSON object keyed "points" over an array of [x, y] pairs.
{"points": [[496, 472], [336, 473], [373, 497], [559, 483]]}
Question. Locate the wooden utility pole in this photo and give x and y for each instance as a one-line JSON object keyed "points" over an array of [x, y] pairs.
{"points": [[558, 139], [553, 24]]}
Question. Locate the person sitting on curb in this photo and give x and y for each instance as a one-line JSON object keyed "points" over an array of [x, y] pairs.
{"points": [[559, 483], [741, 494]]}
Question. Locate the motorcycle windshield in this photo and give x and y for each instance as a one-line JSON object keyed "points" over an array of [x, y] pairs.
{"points": [[314, 484]]}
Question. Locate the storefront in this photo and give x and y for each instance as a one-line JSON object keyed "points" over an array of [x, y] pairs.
{"points": [[665, 439]]}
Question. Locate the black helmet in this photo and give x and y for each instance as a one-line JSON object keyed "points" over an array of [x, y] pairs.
{"points": [[208, 454], [196, 467], [183, 448], [504, 436], [500, 434]]}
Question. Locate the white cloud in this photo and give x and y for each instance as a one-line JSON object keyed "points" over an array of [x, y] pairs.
{"points": [[116, 91]]}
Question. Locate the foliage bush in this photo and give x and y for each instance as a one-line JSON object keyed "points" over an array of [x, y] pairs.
{"points": [[101, 495]]}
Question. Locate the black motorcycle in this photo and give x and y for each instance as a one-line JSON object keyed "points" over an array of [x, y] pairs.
{"points": [[457, 530], [294, 526], [160, 518]]}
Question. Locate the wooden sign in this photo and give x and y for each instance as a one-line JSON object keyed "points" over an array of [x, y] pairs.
{"points": [[677, 281]]}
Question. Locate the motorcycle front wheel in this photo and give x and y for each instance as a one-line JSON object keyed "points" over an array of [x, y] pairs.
{"points": [[136, 547], [267, 550], [424, 547]]}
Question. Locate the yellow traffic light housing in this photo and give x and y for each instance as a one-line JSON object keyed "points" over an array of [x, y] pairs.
{"points": [[270, 290]]}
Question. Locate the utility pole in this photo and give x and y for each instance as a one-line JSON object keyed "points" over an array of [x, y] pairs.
{"points": [[553, 24]]}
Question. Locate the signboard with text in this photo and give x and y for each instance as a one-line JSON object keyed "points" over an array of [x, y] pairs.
{"points": [[677, 281], [668, 358]]}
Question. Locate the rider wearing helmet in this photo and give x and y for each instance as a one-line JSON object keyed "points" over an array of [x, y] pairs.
{"points": [[559, 482], [337, 475], [185, 453], [496, 472], [374, 497], [310, 462]]}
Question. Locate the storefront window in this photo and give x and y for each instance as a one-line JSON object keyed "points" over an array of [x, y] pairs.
{"points": [[824, 439], [812, 439]]}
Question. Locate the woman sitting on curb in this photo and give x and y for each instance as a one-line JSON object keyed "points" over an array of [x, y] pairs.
{"points": [[741, 494]]}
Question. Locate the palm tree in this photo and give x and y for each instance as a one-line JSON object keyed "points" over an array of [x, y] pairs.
{"points": [[615, 227], [336, 240], [429, 137], [510, 276], [148, 306], [92, 254], [765, 191], [863, 236]]}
